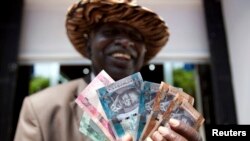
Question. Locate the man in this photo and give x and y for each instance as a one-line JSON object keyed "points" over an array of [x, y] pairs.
{"points": [[117, 36]]}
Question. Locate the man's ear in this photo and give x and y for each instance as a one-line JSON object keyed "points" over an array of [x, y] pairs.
{"points": [[89, 43], [88, 50]]}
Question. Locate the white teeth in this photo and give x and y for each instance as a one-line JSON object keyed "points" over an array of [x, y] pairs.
{"points": [[122, 55]]}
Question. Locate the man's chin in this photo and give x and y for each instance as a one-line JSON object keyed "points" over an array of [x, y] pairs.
{"points": [[119, 73]]}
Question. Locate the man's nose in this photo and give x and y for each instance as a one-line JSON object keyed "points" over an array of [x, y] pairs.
{"points": [[124, 42]]}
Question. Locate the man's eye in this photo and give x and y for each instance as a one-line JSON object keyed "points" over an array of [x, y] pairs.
{"points": [[136, 37], [110, 33]]}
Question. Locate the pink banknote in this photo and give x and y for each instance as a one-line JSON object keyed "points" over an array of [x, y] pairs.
{"points": [[101, 80]]}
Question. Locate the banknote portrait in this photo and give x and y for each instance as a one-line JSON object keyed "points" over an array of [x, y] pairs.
{"points": [[149, 91], [165, 101], [182, 115], [148, 105], [126, 100], [149, 100]]}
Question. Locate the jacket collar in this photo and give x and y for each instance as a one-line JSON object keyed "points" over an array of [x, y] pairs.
{"points": [[77, 111]]}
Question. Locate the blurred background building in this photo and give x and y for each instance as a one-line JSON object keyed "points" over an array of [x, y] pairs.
{"points": [[206, 55]]}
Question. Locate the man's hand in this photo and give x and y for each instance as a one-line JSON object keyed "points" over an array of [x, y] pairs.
{"points": [[177, 131]]}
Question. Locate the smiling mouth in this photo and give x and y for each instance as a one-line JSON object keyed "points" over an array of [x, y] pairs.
{"points": [[122, 56]]}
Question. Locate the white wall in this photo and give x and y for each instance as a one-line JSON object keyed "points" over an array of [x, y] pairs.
{"points": [[237, 22], [43, 36]]}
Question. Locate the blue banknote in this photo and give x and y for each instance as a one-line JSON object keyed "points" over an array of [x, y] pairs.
{"points": [[120, 101], [149, 91]]}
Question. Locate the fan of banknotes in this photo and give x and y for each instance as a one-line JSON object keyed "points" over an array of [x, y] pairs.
{"points": [[131, 105]]}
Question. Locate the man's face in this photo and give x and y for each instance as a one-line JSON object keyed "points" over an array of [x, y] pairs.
{"points": [[118, 49], [126, 100]]}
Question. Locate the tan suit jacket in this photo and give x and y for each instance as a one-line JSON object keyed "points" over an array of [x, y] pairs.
{"points": [[52, 114]]}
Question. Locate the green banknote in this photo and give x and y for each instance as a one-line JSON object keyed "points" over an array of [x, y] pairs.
{"points": [[90, 129]]}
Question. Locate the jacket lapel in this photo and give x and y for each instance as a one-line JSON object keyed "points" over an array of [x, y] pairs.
{"points": [[76, 110]]}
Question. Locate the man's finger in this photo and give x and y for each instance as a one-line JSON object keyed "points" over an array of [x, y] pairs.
{"points": [[157, 136], [170, 135], [185, 130]]}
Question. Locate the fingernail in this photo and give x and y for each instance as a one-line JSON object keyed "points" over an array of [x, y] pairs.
{"points": [[164, 130], [174, 122]]}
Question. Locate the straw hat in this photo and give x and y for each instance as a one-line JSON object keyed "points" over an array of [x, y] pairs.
{"points": [[83, 16]]}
